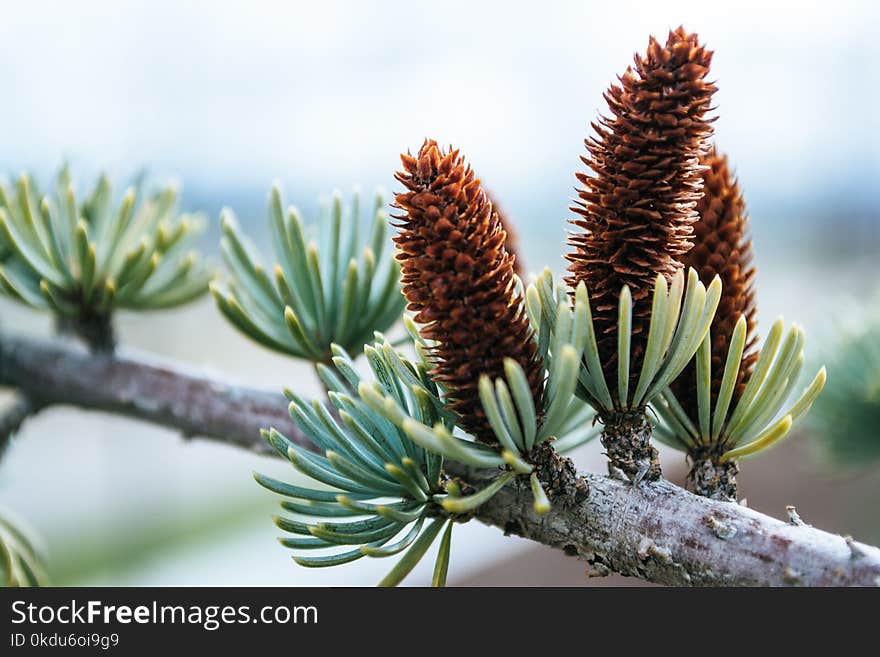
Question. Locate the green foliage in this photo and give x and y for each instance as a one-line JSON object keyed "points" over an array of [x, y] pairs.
{"points": [[437, 437], [561, 417], [20, 564], [574, 378], [338, 293], [517, 423], [846, 418], [88, 258], [677, 328], [757, 420], [378, 492]]}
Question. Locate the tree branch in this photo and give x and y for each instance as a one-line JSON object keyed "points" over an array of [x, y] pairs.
{"points": [[654, 531], [12, 417]]}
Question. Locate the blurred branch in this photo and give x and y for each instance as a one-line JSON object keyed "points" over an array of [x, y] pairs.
{"points": [[656, 531], [13, 416], [61, 372]]}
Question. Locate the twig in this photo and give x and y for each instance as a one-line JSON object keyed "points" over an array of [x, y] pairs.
{"points": [[655, 531], [793, 516]]}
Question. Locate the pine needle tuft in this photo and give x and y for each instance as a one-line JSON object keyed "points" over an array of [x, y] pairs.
{"points": [[722, 246]]}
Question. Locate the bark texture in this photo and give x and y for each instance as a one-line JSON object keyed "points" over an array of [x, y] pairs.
{"points": [[626, 438], [710, 477], [95, 329], [655, 531]]}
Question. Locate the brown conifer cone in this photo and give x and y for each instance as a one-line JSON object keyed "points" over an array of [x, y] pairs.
{"points": [[722, 247], [635, 212], [459, 280]]}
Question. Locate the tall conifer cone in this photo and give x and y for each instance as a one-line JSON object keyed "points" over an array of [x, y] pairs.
{"points": [[635, 212], [459, 280], [722, 247]]}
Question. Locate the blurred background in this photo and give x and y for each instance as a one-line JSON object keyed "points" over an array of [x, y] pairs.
{"points": [[225, 97]]}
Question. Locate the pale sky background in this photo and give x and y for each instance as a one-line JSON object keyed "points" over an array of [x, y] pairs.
{"points": [[227, 96]]}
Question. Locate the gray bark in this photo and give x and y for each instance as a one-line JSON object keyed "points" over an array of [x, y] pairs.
{"points": [[655, 531], [13, 416]]}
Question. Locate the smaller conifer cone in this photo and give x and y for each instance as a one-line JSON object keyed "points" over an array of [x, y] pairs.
{"points": [[458, 279], [722, 247]]}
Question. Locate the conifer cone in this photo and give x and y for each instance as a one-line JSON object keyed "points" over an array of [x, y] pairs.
{"points": [[722, 246], [459, 280], [635, 212]]}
